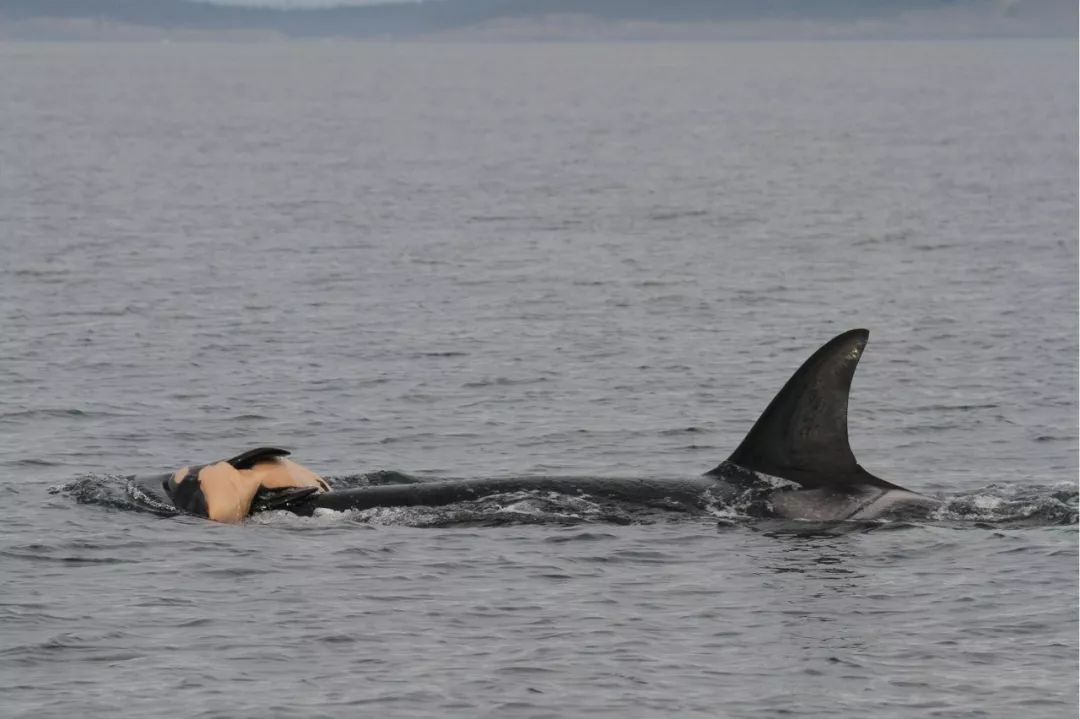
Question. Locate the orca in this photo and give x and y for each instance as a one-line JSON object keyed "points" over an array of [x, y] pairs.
{"points": [[230, 490], [796, 462]]}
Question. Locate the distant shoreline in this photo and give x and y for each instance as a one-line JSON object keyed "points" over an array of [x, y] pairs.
{"points": [[83, 30], [473, 21]]}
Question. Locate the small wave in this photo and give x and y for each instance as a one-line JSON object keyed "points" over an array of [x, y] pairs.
{"points": [[283, 519], [503, 382], [498, 218], [68, 560], [33, 462], [29, 414], [675, 214], [580, 536], [1032, 505], [439, 355], [998, 505], [680, 430], [107, 647], [115, 492], [147, 502]]}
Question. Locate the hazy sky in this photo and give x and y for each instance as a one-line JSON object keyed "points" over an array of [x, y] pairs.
{"points": [[305, 3]]}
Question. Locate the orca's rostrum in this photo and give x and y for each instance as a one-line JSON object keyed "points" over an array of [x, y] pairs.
{"points": [[801, 437]]}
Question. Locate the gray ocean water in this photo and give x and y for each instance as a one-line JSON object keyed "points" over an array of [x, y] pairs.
{"points": [[473, 261]]}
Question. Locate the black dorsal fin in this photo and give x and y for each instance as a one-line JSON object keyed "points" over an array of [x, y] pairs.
{"points": [[802, 436], [281, 498], [250, 458]]}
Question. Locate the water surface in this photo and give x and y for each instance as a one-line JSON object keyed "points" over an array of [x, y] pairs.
{"points": [[474, 261]]}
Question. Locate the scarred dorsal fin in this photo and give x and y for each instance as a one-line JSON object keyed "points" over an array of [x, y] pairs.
{"points": [[250, 458], [802, 436]]}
